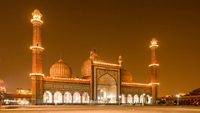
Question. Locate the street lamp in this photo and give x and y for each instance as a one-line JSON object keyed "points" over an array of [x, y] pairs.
{"points": [[178, 96]]}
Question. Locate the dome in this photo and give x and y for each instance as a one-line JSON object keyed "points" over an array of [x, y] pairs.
{"points": [[195, 92], [126, 76], [86, 70], [60, 70]]}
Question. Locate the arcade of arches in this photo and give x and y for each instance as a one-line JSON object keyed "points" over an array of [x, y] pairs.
{"points": [[77, 98]]}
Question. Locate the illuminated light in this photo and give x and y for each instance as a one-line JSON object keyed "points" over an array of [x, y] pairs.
{"points": [[153, 46], [140, 84], [24, 91], [36, 16], [2, 89], [104, 63], [154, 84], [153, 65], [40, 74], [77, 79], [36, 47], [154, 43], [178, 96]]}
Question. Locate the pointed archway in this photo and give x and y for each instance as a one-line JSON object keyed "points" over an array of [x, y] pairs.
{"points": [[106, 89]]}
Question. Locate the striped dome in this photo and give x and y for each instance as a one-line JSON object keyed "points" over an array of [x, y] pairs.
{"points": [[60, 70]]}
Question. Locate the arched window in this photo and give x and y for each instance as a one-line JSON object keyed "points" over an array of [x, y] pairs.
{"points": [[76, 97], [57, 97], [142, 98], [149, 99], [136, 99], [47, 97], [67, 97], [123, 99], [129, 99], [85, 97]]}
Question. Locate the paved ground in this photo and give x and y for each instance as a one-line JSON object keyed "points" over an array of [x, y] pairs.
{"points": [[102, 109]]}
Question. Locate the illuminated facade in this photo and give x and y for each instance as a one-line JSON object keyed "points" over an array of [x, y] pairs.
{"points": [[101, 82]]}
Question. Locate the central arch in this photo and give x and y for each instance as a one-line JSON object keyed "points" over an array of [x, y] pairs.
{"points": [[106, 89]]}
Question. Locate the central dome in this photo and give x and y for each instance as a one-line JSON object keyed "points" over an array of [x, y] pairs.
{"points": [[60, 70]]}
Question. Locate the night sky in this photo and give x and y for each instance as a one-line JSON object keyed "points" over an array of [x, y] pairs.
{"points": [[114, 27]]}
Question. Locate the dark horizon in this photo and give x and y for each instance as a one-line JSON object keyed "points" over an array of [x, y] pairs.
{"points": [[72, 29]]}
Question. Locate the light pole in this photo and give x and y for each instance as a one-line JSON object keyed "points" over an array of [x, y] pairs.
{"points": [[178, 96]]}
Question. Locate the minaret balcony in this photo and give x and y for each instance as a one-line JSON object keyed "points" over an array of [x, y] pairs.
{"points": [[151, 65], [36, 47], [153, 46]]}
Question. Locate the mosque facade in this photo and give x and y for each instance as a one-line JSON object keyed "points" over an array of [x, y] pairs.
{"points": [[101, 82]]}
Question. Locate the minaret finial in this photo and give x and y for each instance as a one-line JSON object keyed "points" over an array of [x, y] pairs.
{"points": [[36, 16], [154, 43]]}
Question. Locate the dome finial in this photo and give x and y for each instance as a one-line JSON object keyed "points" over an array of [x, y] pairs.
{"points": [[120, 60], [93, 54], [60, 59]]}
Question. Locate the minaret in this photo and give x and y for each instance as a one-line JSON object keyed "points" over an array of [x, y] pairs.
{"points": [[154, 67], [37, 49]]}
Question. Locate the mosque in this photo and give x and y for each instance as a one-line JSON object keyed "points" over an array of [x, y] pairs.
{"points": [[101, 82]]}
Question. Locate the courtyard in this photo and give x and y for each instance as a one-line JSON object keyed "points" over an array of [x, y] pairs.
{"points": [[100, 109]]}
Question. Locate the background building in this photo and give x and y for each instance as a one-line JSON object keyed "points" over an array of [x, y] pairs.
{"points": [[191, 98]]}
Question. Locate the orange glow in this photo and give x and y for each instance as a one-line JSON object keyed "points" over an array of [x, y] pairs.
{"points": [[40, 74]]}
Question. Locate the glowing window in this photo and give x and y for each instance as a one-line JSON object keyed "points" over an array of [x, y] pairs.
{"points": [[47, 97], [76, 98], [67, 97], [129, 99], [85, 98], [136, 99], [57, 97]]}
